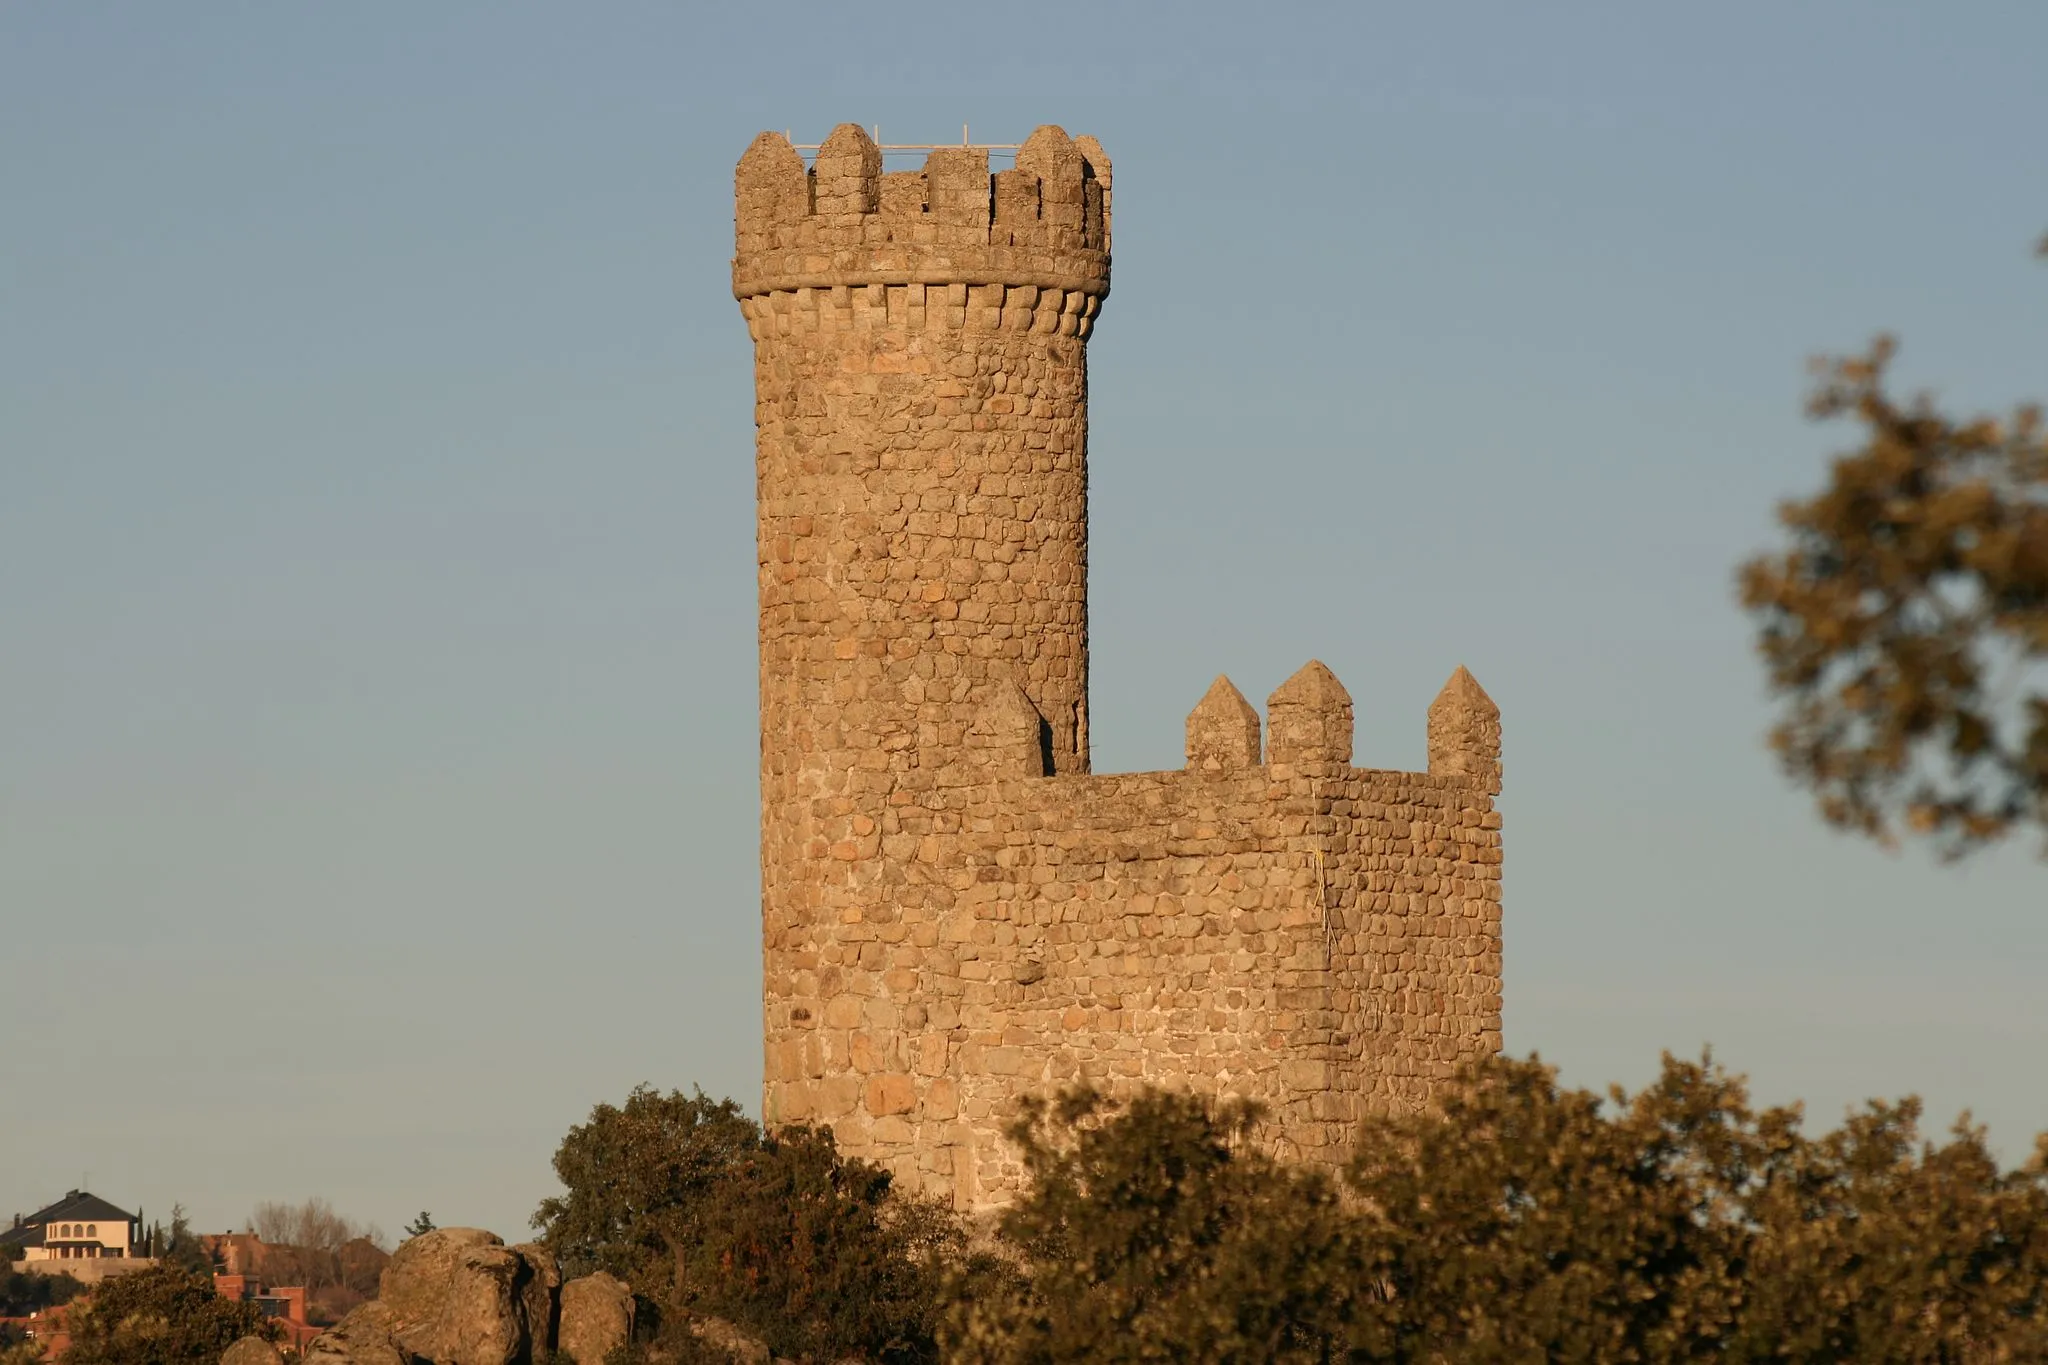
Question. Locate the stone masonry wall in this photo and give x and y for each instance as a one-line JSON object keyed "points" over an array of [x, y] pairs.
{"points": [[955, 913]]}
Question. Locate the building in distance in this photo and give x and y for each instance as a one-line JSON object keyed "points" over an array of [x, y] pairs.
{"points": [[78, 1235]]}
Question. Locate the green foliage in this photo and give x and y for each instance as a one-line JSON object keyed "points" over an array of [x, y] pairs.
{"points": [[1871, 1245], [22, 1294], [1527, 1222], [1516, 1222], [634, 1179], [20, 1352], [1520, 1222], [420, 1225], [163, 1315], [703, 1214], [1906, 626], [1157, 1232]]}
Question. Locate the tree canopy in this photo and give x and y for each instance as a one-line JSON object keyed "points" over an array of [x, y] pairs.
{"points": [[337, 1259], [1906, 625], [180, 1244], [163, 1315], [1517, 1221], [1521, 1222], [22, 1293], [704, 1215], [1159, 1231]]}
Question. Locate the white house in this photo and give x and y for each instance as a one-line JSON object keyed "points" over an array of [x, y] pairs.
{"points": [[80, 1226]]}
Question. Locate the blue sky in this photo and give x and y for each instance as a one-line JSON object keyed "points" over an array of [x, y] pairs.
{"points": [[377, 751]]}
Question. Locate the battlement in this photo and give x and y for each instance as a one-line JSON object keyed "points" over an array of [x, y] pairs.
{"points": [[844, 222], [1309, 720]]}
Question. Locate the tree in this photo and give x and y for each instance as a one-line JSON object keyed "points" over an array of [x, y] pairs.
{"points": [[421, 1225], [1157, 1231], [1872, 1245], [1906, 626], [181, 1245], [634, 1178], [703, 1215], [22, 1294], [309, 1243], [1518, 1222], [1526, 1221], [163, 1315]]}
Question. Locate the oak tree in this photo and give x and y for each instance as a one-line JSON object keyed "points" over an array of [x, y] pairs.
{"points": [[1905, 627]]}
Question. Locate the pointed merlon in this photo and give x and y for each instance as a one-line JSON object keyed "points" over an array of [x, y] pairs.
{"points": [[771, 190], [1095, 192], [1223, 731], [1464, 732], [1097, 159], [1308, 719], [1008, 733], [1060, 169], [849, 175]]}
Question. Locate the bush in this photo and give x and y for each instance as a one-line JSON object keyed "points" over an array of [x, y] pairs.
{"points": [[1516, 1222], [1680, 1224], [704, 1215], [1519, 1222], [1156, 1232], [163, 1315], [22, 1294]]}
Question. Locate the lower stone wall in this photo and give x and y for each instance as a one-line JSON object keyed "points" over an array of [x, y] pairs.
{"points": [[86, 1270], [1319, 937]]}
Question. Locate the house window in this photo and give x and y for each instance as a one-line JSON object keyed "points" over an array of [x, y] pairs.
{"points": [[92, 1230], [64, 1231]]}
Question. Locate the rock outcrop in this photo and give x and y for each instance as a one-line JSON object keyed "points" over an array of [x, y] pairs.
{"points": [[252, 1351], [539, 1293], [737, 1345], [460, 1296], [367, 1336], [454, 1296], [596, 1318]]}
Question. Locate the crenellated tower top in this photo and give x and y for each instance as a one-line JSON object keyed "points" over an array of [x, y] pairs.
{"points": [[844, 221]]}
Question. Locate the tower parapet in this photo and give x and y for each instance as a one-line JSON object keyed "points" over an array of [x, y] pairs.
{"points": [[845, 223]]}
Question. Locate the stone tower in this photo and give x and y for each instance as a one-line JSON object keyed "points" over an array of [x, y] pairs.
{"points": [[954, 913]]}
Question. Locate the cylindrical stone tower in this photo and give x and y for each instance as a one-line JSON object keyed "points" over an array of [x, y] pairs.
{"points": [[921, 385]]}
